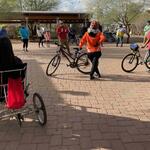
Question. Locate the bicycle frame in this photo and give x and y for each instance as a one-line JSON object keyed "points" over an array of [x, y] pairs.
{"points": [[67, 56], [137, 54]]}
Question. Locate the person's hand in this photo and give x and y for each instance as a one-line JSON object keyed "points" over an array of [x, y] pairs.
{"points": [[142, 46]]}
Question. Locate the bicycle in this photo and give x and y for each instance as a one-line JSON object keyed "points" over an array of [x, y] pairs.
{"points": [[132, 60], [79, 61]]}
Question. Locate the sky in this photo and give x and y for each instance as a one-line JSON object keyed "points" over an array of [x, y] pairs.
{"points": [[79, 5], [71, 5]]}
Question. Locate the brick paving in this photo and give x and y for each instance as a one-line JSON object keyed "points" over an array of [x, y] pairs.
{"points": [[112, 113]]}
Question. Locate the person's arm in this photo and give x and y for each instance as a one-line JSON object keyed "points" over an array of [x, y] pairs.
{"points": [[102, 37], [146, 28], [58, 31], [144, 44], [83, 40], [66, 29], [20, 33]]}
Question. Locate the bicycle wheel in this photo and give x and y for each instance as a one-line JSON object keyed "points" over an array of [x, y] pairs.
{"points": [[40, 110], [129, 62], [84, 64], [53, 65], [147, 63]]}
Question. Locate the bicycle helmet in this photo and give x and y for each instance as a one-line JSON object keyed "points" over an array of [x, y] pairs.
{"points": [[134, 46]]}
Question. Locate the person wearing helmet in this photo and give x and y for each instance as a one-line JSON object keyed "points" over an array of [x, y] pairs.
{"points": [[146, 43], [146, 30], [93, 39]]}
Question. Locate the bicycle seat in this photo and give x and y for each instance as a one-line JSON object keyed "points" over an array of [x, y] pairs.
{"points": [[56, 43], [76, 48]]}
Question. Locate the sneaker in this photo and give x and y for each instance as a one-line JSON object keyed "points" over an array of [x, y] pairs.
{"points": [[92, 77], [98, 75]]}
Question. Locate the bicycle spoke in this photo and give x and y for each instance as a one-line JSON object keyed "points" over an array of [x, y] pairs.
{"points": [[53, 65], [129, 63], [83, 64]]}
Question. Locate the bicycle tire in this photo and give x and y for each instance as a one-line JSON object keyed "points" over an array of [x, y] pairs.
{"points": [[130, 58], [53, 65], [40, 110], [147, 63], [83, 64]]}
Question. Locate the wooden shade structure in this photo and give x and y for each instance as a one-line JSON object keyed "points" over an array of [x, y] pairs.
{"points": [[44, 17]]}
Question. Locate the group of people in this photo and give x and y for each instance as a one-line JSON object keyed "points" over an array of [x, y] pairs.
{"points": [[43, 36], [93, 38]]}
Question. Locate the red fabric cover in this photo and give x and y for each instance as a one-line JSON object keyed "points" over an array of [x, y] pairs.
{"points": [[15, 96]]}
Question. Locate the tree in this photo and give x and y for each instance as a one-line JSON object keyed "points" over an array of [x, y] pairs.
{"points": [[98, 8], [127, 13], [38, 5], [118, 11], [6, 6]]}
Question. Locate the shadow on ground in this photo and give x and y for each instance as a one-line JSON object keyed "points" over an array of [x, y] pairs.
{"points": [[128, 77], [72, 127]]}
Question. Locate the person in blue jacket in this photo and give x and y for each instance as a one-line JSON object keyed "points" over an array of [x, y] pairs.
{"points": [[3, 32], [24, 33]]}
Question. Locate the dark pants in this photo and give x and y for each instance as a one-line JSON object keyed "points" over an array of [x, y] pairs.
{"points": [[119, 40], [25, 43], [41, 41], [94, 57]]}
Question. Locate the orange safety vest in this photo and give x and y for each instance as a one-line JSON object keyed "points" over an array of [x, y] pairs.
{"points": [[92, 43]]}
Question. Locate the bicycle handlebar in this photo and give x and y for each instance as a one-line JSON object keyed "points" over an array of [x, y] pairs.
{"points": [[56, 43]]}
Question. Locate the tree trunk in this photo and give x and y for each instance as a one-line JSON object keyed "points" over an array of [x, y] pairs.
{"points": [[128, 37], [32, 28]]}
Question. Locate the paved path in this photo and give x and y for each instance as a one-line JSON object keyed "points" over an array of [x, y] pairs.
{"points": [[112, 113]]}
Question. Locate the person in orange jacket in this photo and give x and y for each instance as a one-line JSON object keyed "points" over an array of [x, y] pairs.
{"points": [[93, 39]]}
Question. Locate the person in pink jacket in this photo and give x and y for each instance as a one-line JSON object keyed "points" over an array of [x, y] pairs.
{"points": [[147, 44]]}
